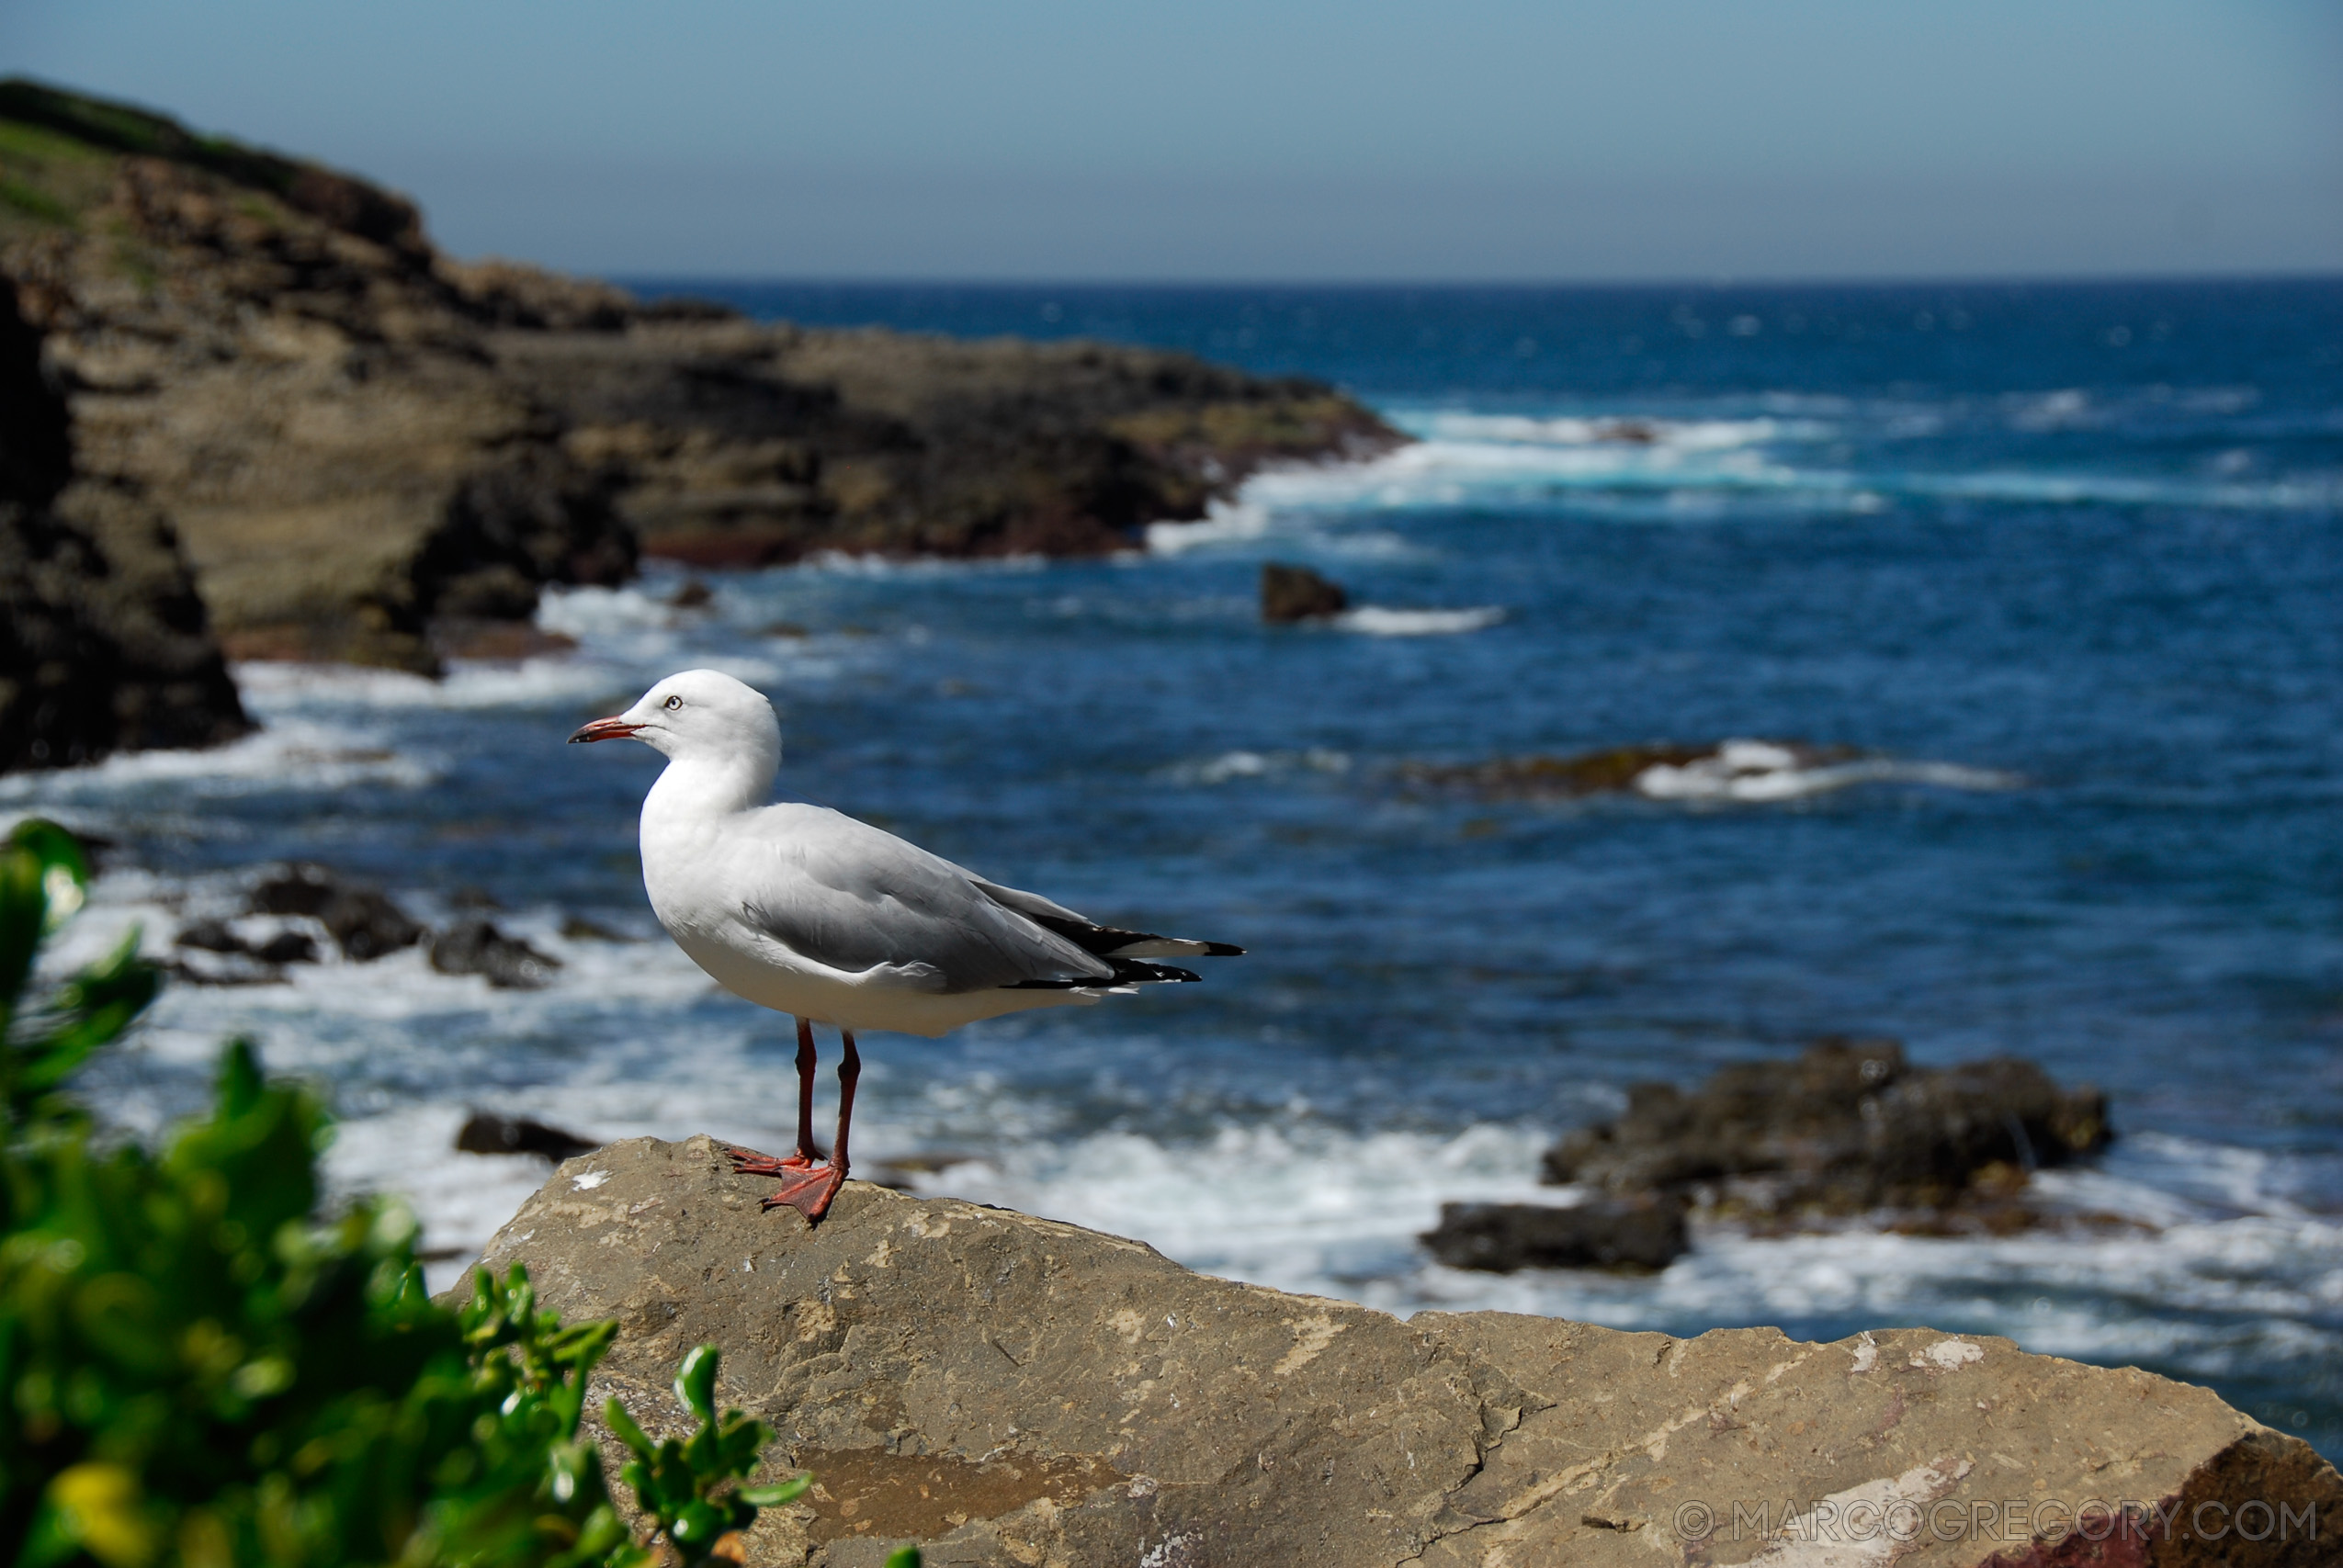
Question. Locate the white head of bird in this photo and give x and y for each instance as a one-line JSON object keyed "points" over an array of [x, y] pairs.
{"points": [[721, 736]]}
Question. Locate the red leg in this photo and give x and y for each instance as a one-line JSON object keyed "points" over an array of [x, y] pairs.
{"points": [[850, 1073], [810, 1190], [746, 1163], [807, 1153]]}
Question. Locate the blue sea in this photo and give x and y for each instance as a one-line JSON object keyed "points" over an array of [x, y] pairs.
{"points": [[2065, 564]]}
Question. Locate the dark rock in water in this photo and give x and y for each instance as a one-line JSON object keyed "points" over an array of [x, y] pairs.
{"points": [[488, 1134], [216, 935], [223, 969], [1290, 594], [287, 947], [693, 595], [363, 924], [1847, 1128], [212, 936], [1012, 1390], [1602, 1233], [476, 947]]}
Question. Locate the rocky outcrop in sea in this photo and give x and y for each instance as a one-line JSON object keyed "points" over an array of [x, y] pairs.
{"points": [[374, 453]]}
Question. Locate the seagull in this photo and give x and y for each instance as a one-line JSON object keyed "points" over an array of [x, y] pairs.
{"points": [[809, 912]]}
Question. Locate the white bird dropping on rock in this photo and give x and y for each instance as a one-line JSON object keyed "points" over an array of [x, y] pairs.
{"points": [[809, 912]]}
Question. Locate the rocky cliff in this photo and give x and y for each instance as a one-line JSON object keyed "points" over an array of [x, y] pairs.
{"points": [[1009, 1391], [103, 642], [369, 447]]}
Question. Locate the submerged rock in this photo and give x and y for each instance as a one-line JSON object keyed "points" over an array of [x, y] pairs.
{"points": [[1012, 1391], [1847, 1128], [485, 1133], [1642, 1233], [474, 946], [1290, 594], [364, 923]]}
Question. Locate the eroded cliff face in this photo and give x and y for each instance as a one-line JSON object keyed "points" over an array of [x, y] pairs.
{"points": [[271, 353], [1010, 1390], [365, 443], [104, 645]]}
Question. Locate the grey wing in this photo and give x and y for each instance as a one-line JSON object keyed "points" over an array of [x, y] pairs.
{"points": [[850, 896]]}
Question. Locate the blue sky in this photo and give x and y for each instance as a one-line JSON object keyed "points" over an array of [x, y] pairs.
{"points": [[1282, 138]]}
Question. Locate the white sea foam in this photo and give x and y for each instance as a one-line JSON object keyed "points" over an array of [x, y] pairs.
{"points": [[285, 753], [272, 688], [1223, 522], [1623, 433], [587, 612], [1698, 468], [841, 563], [1248, 764], [1378, 620], [1762, 771]]}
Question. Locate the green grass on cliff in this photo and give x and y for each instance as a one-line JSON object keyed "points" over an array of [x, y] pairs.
{"points": [[96, 126], [60, 150], [47, 178]]}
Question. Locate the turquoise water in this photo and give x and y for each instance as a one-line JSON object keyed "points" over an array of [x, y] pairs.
{"points": [[2070, 560]]}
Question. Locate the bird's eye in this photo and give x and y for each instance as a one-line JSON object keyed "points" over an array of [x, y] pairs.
{"points": [[674, 702]]}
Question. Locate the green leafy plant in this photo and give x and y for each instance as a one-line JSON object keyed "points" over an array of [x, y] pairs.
{"points": [[683, 1484], [199, 1370]]}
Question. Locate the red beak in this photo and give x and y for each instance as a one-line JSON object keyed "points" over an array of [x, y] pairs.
{"points": [[603, 729]]}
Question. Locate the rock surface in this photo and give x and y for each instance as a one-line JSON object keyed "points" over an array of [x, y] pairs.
{"points": [[1010, 1390], [1848, 1128], [104, 645], [360, 438]]}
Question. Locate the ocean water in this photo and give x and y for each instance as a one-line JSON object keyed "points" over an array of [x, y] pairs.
{"points": [[2067, 564]]}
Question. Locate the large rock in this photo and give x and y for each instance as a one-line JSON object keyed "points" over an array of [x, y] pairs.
{"points": [[1010, 1390], [104, 645], [1847, 1128]]}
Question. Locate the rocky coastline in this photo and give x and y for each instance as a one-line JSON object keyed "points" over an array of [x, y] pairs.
{"points": [[308, 434]]}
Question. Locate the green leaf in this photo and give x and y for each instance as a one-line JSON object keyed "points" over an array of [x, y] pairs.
{"points": [[695, 1381], [903, 1557], [773, 1497], [622, 1426], [698, 1525]]}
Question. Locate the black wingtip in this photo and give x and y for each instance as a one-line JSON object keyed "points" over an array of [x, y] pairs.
{"points": [[1222, 949]]}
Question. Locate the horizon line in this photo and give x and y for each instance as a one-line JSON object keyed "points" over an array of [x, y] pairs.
{"points": [[631, 277]]}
